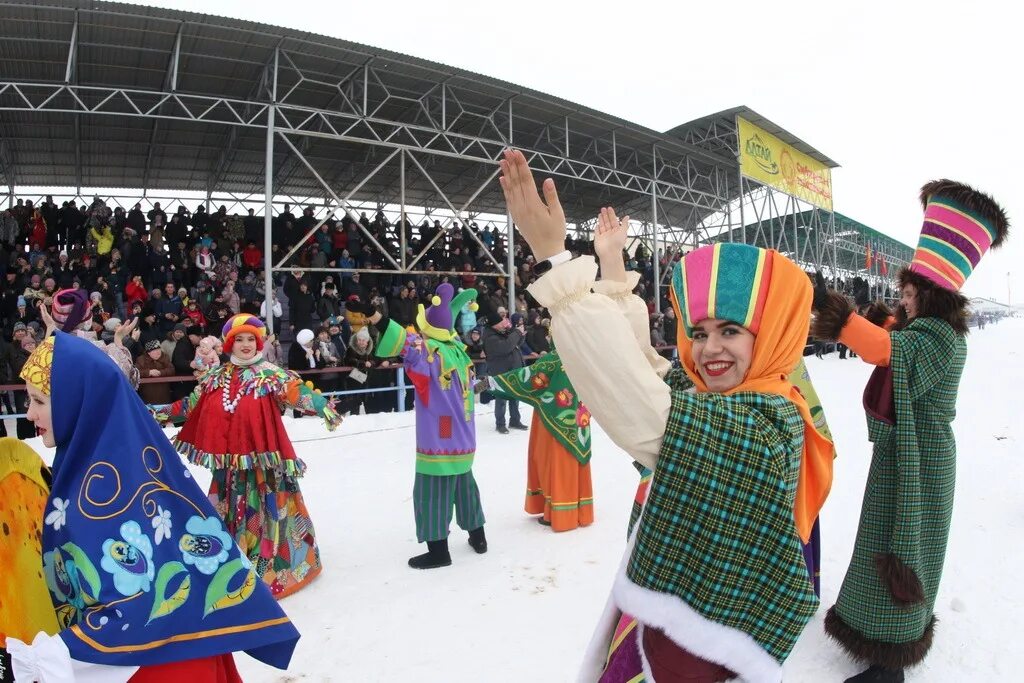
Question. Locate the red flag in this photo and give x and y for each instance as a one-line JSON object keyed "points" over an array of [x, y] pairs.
{"points": [[867, 256], [885, 268]]}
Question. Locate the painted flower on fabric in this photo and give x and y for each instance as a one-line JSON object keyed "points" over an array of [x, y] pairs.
{"points": [[540, 381], [206, 546], [162, 524], [58, 516], [62, 579], [582, 417], [130, 560], [564, 398]]}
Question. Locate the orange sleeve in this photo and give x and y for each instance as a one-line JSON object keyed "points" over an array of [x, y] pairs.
{"points": [[870, 342]]}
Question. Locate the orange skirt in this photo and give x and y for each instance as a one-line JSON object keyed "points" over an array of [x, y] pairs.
{"points": [[557, 486]]}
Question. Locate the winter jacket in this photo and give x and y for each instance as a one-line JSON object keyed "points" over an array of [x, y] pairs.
{"points": [[182, 355], [329, 307], [537, 338], [502, 349], [104, 240], [252, 257], [134, 292], [300, 310], [155, 392]]}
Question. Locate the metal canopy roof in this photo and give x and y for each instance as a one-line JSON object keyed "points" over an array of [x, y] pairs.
{"points": [[700, 127], [97, 94]]}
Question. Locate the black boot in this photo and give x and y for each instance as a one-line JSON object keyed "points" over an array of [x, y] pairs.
{"points": [[542, 521], [520, 426], [436, 556], [478, 541], [878, 674]]}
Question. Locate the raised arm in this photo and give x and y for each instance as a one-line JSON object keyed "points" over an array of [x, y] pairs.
{"points": [[596, 342], [306, 398], [618, 284]]}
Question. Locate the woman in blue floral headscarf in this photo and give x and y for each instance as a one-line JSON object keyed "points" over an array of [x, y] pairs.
{"points": [[145, 582]]}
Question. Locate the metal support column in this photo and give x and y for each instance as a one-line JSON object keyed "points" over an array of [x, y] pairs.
{"points": [[404, 220], [743, 218], [657, 260], [835, 249], [268, 194], [654, 231], [510, 264]]}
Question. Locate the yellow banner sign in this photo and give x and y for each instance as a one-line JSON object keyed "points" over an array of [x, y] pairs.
{"points": [[769, 160]]}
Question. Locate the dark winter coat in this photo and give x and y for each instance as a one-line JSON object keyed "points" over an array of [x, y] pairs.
{"points": [[156, 392], [300, 310], [537, 339], [502, 349]]}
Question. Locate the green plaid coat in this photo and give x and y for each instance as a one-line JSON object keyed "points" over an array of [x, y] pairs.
{"points": [[908, 500], [717, 531]]}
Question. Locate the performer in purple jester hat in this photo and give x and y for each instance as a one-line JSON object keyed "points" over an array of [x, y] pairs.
{"points": [[441, 371]]}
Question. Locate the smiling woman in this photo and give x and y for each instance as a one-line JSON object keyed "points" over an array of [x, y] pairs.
{"points": [[730, 439]]}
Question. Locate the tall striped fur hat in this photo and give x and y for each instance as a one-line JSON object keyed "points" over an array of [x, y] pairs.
{"points": [[960, 225]]}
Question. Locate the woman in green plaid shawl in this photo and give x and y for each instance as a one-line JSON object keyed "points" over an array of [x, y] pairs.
{"points": [[714, 572], [884, 614]]}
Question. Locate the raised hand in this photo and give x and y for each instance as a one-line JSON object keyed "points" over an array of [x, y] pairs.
{"points": [[541, 222], [609, 242], [123, 330], [610, 235], [48, 321]]}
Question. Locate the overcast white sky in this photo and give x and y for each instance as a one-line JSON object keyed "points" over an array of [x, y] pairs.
{"points": [[898, 93]]}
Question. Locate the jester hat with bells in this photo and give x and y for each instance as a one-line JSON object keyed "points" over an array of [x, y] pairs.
{"points": [[438, 321]]}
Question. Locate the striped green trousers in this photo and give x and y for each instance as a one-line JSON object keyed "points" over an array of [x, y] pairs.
{"points": [[433, 498]]}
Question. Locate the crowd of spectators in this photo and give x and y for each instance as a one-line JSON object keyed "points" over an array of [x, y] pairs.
{"points": [[182, 274]]}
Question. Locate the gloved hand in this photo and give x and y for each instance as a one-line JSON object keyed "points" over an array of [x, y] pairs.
{"points": [[6, 670]]}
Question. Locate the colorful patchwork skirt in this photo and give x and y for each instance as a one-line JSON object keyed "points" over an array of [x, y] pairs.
{"points": [[264, 510]]}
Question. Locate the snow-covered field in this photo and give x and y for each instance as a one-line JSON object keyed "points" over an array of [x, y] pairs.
{"points": [[525, 610]]}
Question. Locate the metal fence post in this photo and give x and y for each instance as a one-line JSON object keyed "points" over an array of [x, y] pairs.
{"points": [[401, 389]]}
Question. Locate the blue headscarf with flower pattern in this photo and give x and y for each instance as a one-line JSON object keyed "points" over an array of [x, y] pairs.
{"points": [[140, 568]]}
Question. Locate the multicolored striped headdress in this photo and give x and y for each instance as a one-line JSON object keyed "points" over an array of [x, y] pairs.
{"points": [[960, 225], [727, 281], [243, 322]]}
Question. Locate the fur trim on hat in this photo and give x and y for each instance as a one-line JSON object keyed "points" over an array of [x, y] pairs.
{"points": [[889, 655], [831, 316], [973, 200]]}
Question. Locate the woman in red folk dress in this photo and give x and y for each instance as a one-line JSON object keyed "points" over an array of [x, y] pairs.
{"points": [[233, 427]]}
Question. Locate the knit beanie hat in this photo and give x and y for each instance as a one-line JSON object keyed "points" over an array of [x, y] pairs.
{"points": [[70, 308], [243, 322]]}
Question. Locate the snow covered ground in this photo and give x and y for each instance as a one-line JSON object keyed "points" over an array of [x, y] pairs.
{"points": [[525, 610]]}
